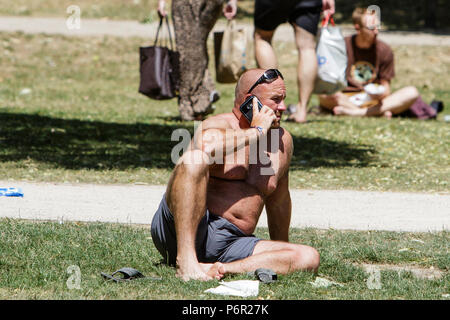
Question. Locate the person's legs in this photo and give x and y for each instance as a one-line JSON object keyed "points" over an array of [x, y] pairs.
{"points": [[333, 100], [396, 103], [188, 208], [264, 52], [281, 257], [268, 15], [306, 71]]}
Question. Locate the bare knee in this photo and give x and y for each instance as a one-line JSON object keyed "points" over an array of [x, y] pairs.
{"points": [[306, 258], [411, 93], [304, 39], [194, 163]]}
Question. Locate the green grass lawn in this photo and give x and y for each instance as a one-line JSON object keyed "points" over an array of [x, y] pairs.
{"points": [[70, 111], [140, 10], [111, 9], [36, 256]]}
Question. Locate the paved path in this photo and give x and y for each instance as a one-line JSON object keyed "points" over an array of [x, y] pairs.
{"points": [[99, 27], [354, 210]]}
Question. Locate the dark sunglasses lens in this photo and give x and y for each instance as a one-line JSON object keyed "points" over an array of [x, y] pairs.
{"points": [[272, 74], [278, 73]]}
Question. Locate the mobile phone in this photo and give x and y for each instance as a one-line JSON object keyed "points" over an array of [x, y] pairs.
{"points": [[247, 108]]}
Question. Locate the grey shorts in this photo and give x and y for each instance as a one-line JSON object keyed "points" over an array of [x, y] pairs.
{"points": [[217, 239]]}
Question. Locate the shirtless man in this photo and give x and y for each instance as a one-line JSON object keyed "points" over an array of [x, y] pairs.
{"points": [[205, 221]]}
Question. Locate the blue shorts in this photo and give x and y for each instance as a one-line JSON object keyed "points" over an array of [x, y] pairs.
{"points": [[217, 239]]}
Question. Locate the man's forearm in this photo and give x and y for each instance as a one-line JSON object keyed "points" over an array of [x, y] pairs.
{"points": [[226, 141], [279, 228], [279, 208]]}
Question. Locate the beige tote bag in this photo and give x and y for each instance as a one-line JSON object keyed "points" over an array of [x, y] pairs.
{"points": [[230, 52]]}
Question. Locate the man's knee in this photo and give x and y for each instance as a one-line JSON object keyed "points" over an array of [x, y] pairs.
{"points": [[194, 163], [306, 258]]}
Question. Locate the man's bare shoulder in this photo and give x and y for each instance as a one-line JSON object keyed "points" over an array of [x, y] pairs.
{"points": [[288, 143], [286, 137], [220, 121]]}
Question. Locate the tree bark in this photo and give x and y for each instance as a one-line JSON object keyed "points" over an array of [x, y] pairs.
{"points": [[193, 20]]}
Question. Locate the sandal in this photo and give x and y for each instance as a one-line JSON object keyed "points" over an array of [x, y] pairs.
{"points": [[128, 275], [266, 275]]}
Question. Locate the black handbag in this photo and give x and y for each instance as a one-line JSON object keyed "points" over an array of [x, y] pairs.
{"points": [[159, 69]]}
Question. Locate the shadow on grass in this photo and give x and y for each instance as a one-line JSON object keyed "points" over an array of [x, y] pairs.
{"points": [[95, 145], [318, 152]]}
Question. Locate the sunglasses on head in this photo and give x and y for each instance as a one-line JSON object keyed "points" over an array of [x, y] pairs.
{"points": [[267, 77]]}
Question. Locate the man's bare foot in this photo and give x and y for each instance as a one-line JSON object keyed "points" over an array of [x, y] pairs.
{"points": [[202, 272], [298, 116], [295, 118], [214, 270], [194, 271]]}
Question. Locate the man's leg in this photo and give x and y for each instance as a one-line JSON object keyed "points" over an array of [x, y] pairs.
{"points": [[306, 70], [188, 208], [395, 103], [281, 257], [264, 52]]}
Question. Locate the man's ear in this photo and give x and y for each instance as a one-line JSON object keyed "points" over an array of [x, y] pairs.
{"points": [[357, 27]]}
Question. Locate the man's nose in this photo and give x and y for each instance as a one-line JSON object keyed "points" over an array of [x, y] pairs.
{"points": [[282, 107]]}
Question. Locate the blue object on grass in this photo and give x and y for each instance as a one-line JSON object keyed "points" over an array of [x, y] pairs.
{"points": [[11, 192]]}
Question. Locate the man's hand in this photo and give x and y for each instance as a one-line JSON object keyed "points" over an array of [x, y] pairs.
{"points": [[328, 7], [230, 9], [162, 8], [262, 118]]}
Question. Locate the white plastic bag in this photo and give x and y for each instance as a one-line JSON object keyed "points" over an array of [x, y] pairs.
{"points": [[332, 59]]}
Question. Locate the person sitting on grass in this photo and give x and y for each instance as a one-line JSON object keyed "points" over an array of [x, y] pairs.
{"points": [[370, 61], [205, 221]]}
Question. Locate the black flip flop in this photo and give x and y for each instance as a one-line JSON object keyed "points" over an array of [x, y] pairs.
{"points": [[266, 275], [128, 275]]}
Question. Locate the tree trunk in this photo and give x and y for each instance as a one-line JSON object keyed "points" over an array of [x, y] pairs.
{"points": [[193, 20]]}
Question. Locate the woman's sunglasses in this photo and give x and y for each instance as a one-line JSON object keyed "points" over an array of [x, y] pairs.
{"points": [[268, 76]]}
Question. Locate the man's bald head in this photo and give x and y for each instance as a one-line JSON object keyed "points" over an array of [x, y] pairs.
{"points": [[247, 79]]}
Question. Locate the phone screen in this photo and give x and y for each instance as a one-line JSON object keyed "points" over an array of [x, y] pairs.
{"points": [[247, 108]]}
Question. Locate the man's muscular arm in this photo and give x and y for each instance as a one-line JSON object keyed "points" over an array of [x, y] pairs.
{"points": [[216, 135], [278, 204], [279, 208]]}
